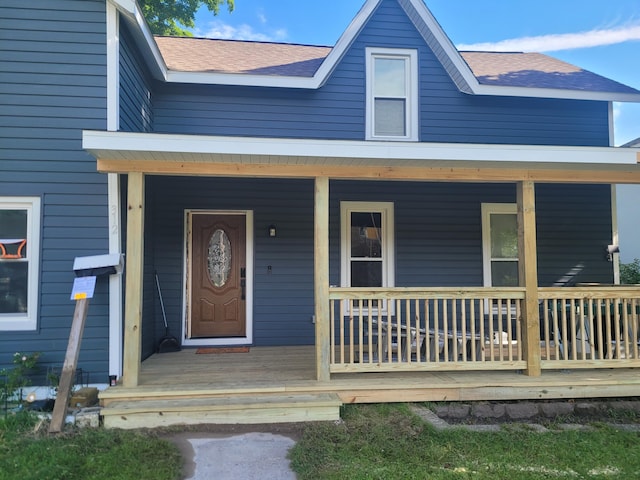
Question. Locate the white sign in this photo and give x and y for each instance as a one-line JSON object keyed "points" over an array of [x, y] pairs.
{"points": [[83, 287]]}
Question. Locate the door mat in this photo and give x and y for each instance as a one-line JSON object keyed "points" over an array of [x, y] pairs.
{"points": [[223, 350]]}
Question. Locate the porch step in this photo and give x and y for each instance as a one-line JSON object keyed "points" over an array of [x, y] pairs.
{"points": [[260, 408]]}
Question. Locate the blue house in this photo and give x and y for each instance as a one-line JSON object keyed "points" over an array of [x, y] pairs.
{"points": [[627, 198], [355, 221]]}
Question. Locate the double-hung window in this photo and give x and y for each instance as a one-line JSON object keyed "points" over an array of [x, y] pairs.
{"points": [[367, 244], [392, 94], [500, 244], [19, 262]]}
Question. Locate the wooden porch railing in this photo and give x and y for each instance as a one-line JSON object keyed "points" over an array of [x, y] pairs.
{"points": [[590, 327], [395, 329]]}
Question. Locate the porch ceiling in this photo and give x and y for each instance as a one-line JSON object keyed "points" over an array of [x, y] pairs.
{"points": [[166, 154]]}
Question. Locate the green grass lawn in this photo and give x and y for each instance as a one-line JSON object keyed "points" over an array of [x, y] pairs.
{"points": [[390, 442], [373, 442], [87, 454]]}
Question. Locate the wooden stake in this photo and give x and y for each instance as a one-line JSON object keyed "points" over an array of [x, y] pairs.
{"points": [[69, 368]]}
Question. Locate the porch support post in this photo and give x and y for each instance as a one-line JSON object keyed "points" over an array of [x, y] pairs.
{"points": [[528, 275], [321, 277], [133, 271]]}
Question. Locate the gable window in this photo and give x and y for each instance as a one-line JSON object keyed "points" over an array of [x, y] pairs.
{"points": [[19, 260], [500, 244], [392, 94], [367, 244]]}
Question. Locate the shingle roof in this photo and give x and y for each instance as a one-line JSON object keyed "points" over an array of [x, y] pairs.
{"points": [[536, 70], [188, 54], [529, 70]]}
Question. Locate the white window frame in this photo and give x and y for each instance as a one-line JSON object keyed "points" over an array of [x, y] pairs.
{"points": [[489, 209], [386, 210], [411, 114], [29, 320]]}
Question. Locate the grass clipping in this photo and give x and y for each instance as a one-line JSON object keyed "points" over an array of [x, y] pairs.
{"points": [[388, 442]]}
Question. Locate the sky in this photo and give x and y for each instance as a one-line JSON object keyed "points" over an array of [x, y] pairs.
{"points": [[602, 36]]}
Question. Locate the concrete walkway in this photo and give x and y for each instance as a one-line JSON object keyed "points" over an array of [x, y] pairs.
{"points": [[247, 456]]}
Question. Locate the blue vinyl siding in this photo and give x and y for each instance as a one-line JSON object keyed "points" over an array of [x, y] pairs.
{"points": [[136, 113], [52, 86], [577, 215], [438, 238], [337, 109], [283, 298], [439, 230]]}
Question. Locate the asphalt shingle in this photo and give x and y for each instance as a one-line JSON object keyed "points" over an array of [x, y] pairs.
{"points": [[186, 54], [511, 69]]}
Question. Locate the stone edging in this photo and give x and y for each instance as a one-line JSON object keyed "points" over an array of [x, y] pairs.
{"points": [[440, 424]]}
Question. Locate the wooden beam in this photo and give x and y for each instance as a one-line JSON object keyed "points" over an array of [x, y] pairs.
{"points": [[528, 275], [364, 171], [68, 373], [321, 277], [134, 277]]}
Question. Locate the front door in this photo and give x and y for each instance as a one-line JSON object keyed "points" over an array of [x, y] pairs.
{"points": [[218, 281]]}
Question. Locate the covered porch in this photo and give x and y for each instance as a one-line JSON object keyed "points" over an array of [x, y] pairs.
{"points": [[186, 387], [375, 340]]}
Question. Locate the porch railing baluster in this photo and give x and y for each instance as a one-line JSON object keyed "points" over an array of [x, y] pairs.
{"points": [[454, 326], [393, 329], [332, 330], [419, 338]]}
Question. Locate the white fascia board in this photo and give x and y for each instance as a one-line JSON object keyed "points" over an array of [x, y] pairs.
{"points": [[128, 6], [239, 79], [447, 45], [497, 90], [345, 41], [319, 78], [316, 82], [131, 9], [100, 141], [113, 70]]}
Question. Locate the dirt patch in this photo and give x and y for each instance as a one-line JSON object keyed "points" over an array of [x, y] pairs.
{"points": [[291, 430]]}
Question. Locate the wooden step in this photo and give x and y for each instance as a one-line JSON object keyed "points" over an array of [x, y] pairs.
{"points": [[222, 410]]}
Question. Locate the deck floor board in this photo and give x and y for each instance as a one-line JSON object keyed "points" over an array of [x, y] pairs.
{"points": [[277, 370]]}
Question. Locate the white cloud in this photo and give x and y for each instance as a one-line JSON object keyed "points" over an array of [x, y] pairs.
{"points": [[262, 17], [564, 41], [224, 31]]}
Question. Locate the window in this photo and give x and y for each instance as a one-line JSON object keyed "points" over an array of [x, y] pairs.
{"points": [[500, 244], [392, 98], [367, 244], [19, 261]]}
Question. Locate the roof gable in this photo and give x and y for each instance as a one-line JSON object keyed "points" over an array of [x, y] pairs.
{"points": [[227, 62]]}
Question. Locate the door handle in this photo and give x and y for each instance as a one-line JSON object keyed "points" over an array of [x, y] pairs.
{"points": [[243, 283]]}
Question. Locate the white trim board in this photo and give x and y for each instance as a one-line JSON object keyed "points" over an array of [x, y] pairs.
{"points": [[141, 146], [186, 287]]}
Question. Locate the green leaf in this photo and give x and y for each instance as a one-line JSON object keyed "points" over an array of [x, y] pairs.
{"points": [[173, 17]]}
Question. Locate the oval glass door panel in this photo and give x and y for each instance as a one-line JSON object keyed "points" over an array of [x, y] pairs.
{"points": [[219, 258]]}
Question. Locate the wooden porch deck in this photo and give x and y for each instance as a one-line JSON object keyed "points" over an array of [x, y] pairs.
{"points": [[265, 373]]}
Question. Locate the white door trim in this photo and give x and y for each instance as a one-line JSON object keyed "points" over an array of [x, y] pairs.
{"points": [[248, 338]]}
